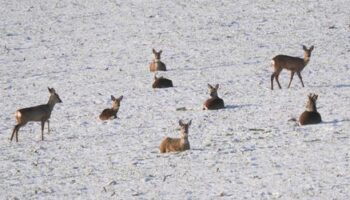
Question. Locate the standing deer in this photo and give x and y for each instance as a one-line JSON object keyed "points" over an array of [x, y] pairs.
{"points": [[111, 113], [156, 64], [177, 144], [161, 82], [40, 113], [293, 64], [214, 102], [310, 115]]}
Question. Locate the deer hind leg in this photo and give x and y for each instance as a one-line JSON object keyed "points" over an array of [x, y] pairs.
{"points": [[15, 132], [291, 78], [301, 79], [272, 77], [15, 129], [276, 77]]}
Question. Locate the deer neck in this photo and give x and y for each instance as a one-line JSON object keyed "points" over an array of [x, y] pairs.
{"points": [[306, 59], [184, 138], [214, 96], [311, 108], [51, 103], [156, 60]]}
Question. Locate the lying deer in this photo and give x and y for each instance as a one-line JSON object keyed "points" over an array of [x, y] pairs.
{"points": [[40, 113], [161, 82], [111, 113], [156, 64], [310, 115], [177, 144], [293, 64], [214, 102]]}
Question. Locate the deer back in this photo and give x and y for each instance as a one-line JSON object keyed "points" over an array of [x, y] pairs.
{"points": [[162, 83], [174, 144], [308, 117], [214, 104], [288, 62], [108, 113], [36, 113]]}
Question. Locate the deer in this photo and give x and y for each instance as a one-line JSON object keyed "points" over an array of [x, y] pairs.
{"points": [[177, 144], [111, 113], [156, 64], [161, 82], [293, 64], [310, 115], [40, 113], [214, 102]]}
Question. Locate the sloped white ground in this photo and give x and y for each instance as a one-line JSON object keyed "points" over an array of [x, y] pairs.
{"points": [[90, 50]]}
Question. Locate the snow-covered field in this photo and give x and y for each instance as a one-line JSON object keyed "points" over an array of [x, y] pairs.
{"points": [[89, 50]]}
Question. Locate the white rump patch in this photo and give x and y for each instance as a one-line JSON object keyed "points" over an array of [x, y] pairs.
{"points": [[18, 114], [272, 63]]}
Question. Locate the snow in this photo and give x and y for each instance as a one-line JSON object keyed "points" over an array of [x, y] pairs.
{"points": [[89, 50]]}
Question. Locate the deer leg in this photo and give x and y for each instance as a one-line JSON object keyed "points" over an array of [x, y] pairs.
{"points": [[48, 126], [272, 77], [301, 79], [291, 78], [42, 129], [17, 134], [14, 131], [278, 82]]}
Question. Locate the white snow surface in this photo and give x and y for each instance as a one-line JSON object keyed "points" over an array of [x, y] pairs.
{"points": [[89, 50]]}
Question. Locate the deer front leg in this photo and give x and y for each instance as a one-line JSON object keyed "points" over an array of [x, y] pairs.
{"points": [[48, 126], [42, 129], [291, 78], [301, 79]]}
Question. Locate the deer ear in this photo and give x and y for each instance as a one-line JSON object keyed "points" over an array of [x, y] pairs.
{"points": [[154, 51], [189, 123], [209, 86], [51, 90], [112, 97], [217, 86], [160, 52], [120, 98], [180, 122], [311, 48], [304, 48]]}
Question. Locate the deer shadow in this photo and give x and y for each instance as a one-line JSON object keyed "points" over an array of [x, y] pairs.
{"points": [[238, 106], [342, 86], [335, 121]]}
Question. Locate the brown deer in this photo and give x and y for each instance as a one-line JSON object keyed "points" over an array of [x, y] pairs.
{"points": [[310, 115], [111, 113], [177, 144], [156, 64], [214, 102], [40, 113], [161, 82], [293, 64]]}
